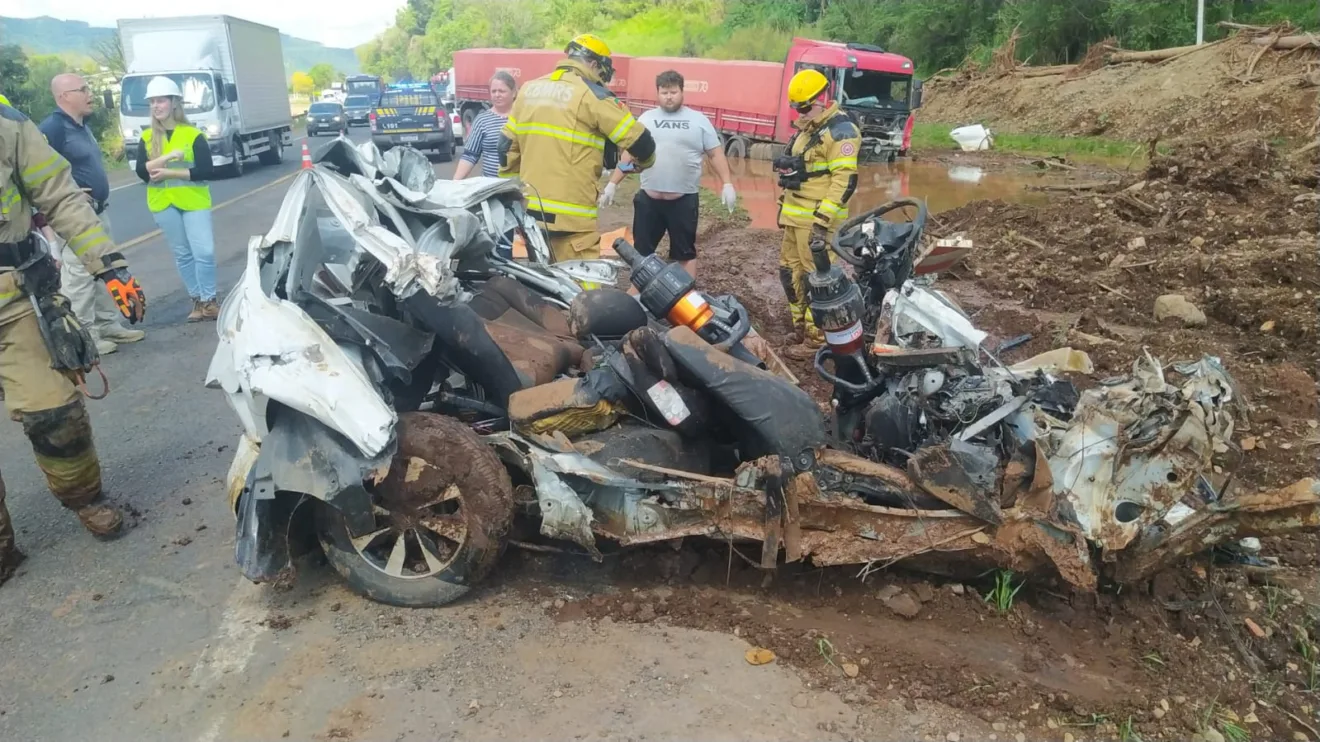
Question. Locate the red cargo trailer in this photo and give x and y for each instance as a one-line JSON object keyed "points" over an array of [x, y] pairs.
{"points": [[473, 69], [741, 98], [746, 100]]}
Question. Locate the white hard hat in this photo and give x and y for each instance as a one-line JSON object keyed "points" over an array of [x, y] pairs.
{"points": [[160, 87]]}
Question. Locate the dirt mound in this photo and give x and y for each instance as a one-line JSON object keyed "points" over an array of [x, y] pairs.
{"points": [[1203, 93]]}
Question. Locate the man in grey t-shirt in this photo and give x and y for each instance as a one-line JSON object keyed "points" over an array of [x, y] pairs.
{"points": [[667, 200]]}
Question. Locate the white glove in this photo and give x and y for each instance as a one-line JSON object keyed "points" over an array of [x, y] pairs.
{"points": [[728, 196], [607, 195]]}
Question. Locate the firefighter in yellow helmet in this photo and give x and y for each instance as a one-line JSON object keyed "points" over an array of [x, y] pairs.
{"points": [[818, 172], [564, 129], [43, 348]]}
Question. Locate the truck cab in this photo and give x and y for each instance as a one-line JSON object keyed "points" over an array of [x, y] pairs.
{"points": [[231, 74], [876, 88], [207, 101]]}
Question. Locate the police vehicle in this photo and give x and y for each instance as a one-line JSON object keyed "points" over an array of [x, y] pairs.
{"points": [[412, 114]]}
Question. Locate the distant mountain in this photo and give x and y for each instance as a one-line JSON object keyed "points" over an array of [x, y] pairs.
{"points": [[46, 35]]}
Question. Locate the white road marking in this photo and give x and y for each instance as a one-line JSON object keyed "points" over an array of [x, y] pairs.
{"points": [[216, 207], [232, 646]]}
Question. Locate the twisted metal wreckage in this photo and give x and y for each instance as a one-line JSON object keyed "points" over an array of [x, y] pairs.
{"points": [[965, 466]]}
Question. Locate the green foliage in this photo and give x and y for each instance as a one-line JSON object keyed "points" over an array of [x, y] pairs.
{"points": [[1004, 592], [26, 83], [934, 33], [322, 75], [761, 43], [14, 75]]}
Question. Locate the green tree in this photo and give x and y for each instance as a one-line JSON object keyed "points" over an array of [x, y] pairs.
{"points": [[109, 53], [322, 75], [14, 75]]}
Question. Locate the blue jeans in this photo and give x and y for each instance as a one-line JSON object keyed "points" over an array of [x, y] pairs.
{"points": [[193, 242]]}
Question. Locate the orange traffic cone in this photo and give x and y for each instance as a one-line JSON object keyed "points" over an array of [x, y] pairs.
{"points": [[306, 157]]}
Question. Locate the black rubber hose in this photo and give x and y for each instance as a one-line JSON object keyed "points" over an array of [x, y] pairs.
{"points": [[462, 339]]}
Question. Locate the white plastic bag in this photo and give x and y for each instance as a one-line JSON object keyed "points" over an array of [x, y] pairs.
{"points": [[973, 138]]}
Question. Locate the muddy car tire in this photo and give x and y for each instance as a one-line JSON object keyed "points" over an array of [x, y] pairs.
{"points": [[447, 503]]}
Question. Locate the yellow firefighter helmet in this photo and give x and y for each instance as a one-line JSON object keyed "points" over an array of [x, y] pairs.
{"points": [[805, 86], [590, 48]]}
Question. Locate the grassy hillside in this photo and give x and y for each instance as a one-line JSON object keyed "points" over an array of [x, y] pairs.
{"points": [[74, 39]]}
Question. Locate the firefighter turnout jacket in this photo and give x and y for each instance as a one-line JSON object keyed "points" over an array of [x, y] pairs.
{"points": [[828, 145], [563, 130], [32, 175]]}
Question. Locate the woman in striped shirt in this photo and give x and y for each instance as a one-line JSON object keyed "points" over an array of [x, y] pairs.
{"points": [[482, 143]]}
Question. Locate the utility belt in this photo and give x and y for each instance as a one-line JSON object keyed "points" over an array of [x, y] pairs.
{"points": [[13, 255], [72, 350]]}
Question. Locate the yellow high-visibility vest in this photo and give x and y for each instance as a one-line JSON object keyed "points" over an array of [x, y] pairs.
{"points": [[185, 195]]}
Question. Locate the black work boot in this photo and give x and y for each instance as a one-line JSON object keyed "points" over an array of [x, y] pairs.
{"points": [[10, 556]]}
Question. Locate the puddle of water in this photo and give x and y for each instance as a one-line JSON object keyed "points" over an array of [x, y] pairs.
{"points": [[943, 187]]}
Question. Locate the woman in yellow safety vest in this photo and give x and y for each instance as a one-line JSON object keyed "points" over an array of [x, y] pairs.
{"points": [[174, 160]]}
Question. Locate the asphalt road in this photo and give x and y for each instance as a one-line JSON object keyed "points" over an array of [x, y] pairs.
{"points": [[80, 611], [155, 637]]}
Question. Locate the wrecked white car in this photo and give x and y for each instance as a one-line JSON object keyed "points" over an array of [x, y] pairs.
{"points": [[407, 389]]}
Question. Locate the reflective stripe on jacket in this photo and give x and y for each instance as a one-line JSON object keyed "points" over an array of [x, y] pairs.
{"points": [[829, 144], [555, 141], [185, 195], [32, 175]]}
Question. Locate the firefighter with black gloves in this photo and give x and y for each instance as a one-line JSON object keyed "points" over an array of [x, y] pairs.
{"points": [[818, 172], [563, 130], [43, 348]]}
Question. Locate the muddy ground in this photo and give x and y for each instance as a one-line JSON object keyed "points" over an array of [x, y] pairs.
{"points": [[1214, 648]]}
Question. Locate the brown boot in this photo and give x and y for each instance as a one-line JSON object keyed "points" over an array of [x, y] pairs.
{"points": [[196, 314], [102, 521], [210, 310]]}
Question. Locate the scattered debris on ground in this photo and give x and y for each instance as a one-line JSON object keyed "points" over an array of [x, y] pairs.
{"points": [[1221, 234]]}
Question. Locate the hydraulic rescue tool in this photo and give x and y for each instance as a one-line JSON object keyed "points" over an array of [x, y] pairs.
{"points": [[669, 292]]}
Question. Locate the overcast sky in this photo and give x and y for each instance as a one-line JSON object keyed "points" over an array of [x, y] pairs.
{"points": [[345, 23]]}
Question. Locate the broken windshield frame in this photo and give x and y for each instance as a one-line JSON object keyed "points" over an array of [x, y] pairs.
{"points": [[876, 90]]}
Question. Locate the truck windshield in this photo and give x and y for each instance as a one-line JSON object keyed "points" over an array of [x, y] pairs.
{"points": [[866, 89], [198, 93], [403, 98], [368, 86]]}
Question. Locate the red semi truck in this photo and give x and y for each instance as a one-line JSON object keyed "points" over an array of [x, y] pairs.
{"points": [[745, 100]]}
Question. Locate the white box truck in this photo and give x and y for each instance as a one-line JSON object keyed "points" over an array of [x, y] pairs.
{"points": [[231, 72]]}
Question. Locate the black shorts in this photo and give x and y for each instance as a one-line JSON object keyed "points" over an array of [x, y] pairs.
{"points": [[653, 217]]}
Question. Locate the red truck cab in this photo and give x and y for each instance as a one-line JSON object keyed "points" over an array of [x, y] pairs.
{"points": [[875, 87]]}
